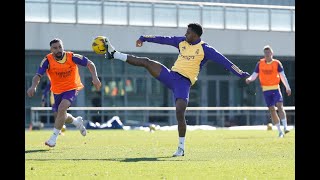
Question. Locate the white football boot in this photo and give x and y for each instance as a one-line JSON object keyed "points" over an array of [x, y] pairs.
{"points": [[80, 126], [50, 143], [110, 49], [179, 152]]}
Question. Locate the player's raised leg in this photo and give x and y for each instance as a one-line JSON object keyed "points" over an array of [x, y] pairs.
{"points": [[77, 122], [152, 66]]}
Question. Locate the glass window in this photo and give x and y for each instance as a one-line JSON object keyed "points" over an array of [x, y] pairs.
{"points": [[188, 14], [280, 20], [212, 17], [89, 12], [165, 15], [63, 12], [140, 14], [258, 19], [236, 18], [115, 13], [36, 12], [137, 97], [113, 91]]}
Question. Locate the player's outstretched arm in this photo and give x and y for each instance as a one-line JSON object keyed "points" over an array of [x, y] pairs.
{"points": [[253, 77], [211, 54], [166, 40]]}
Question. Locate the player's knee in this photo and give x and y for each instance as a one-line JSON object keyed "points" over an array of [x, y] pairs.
{"points": [[272, 108], [280, 109], [180, 111], [63, 108]]}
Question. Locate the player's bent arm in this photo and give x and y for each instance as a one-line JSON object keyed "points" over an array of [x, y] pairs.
{"points": [[33, 87], [36, 78], [284, 80], [214, 55], [92, 68], [95, 80], [35, 81], [167, 40]]}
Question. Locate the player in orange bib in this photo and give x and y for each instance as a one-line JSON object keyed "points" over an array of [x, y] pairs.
{"points": [[270, 71], [62, 71]]}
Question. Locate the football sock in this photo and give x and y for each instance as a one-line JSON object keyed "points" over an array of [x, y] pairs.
{"points": [[74, 120], [181, 142], [278, 126], [120, 56], [284, 123], [55, 134]]}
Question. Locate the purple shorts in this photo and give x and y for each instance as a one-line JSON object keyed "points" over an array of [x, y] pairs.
{"points": [[179, 84], [68, 95], [272, 97]]}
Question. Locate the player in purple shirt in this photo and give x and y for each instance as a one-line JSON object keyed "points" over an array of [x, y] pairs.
{"points": [[193, 54]]}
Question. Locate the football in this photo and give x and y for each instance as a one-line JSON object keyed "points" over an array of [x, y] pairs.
{"points": [[269, 126], [64, 128], [98, 45], [152, 127]]}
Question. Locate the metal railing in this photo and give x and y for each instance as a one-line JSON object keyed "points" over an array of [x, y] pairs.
{"points": [[217, 116]]}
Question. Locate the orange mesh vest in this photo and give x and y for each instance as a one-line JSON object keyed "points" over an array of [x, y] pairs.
{"points": [[63, 74], [268, 73]]}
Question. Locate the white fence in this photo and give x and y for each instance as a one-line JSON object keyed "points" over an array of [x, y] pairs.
{"points": [[217, 116]]}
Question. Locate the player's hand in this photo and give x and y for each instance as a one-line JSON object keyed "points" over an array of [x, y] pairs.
{"points": [[288, 92], [97, 84], [139, 43], [248, 81], [31, 91]]}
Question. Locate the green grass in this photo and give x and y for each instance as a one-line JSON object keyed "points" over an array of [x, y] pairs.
{"points": [[117, 154]]}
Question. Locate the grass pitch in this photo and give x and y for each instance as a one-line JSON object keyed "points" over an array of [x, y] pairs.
{"points": [[118, 154]]}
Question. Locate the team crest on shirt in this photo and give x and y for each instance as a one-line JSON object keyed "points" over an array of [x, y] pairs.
{"points": [[197, 51], [78, 56], [183, 48]]}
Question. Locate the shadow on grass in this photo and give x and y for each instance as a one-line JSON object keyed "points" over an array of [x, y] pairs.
{"points": [[36, 150], [141, 159]]}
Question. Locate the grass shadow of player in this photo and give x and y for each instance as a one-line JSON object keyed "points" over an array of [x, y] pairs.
{"points": [[36, 150], [166, 158]]}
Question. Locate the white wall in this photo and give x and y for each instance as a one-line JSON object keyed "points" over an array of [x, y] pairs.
{"points": [[78, 37]]}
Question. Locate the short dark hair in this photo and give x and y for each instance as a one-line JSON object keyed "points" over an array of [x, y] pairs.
{"points": [[196, 27], [55, 40]]}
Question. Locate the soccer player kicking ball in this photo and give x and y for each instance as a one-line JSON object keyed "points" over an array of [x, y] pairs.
{"points": [[270, 71], [62, 70], [193, 54]]}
